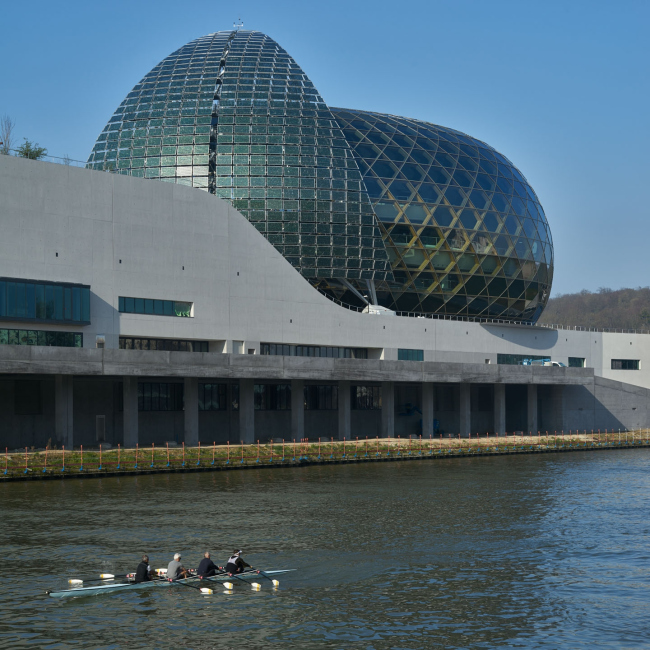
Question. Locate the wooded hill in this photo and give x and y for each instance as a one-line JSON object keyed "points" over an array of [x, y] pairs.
{"points": [[620, 309]]}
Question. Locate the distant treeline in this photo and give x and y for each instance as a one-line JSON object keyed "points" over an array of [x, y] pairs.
{"points": [[623, 309]]}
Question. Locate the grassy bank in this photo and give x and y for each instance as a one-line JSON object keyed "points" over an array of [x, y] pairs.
{"points": [[31, 464]]}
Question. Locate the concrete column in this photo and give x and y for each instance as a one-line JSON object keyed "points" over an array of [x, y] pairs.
{"points": [[465, 410], [246, 411], [532, 408], [191, 412], [427, 410], [297, 409], [63, 409], [130, 413], [500, 409], [387, 409], [345, 427]]}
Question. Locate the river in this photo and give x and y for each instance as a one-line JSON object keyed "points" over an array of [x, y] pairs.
{"points": [[547, 551]]}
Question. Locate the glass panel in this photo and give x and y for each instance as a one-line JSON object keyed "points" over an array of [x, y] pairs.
{"points": [[58, 303], [49, 302], [76, 304], [85, 304], [30, 300], [68, 303], [40, 302], [3, 298], [139, 306]]}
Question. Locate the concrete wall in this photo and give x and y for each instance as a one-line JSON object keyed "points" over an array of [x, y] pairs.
{"points": [[134, 237]]}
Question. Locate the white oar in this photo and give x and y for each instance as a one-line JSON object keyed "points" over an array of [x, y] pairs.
{"points": [[80, 581], [203, 590]]}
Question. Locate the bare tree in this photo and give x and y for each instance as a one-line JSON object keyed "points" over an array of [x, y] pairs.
{"points": [[7, 126]]}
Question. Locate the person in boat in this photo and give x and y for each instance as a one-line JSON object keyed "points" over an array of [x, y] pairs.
{"points": [[207, 567], [236, 564], [143, 573], [175, 570]]}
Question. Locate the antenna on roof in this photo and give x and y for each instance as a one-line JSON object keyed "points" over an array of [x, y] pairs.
{"points": [[237, 26]]}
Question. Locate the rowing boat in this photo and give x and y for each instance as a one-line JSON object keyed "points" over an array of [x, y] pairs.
{"points": [[111, 587]]}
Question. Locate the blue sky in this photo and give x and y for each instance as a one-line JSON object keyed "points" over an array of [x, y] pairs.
{"points": [[561, 88]]}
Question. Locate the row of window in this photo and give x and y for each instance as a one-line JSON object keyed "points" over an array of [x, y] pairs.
{"points": [[410, 355], [168, 345], [154, 396], [155, 307], [44, 301], [313, 351], [38, 337]]}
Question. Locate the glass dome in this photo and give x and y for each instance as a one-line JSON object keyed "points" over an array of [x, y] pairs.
{"points": [[367, 207]]}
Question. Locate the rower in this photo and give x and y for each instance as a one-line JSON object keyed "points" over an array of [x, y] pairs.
{"points": [[175, 570], [143, 572], [206, 567], [236, 564]]}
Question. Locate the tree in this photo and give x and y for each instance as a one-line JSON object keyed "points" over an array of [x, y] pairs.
{"points": [[31, 150], [7, 126]]}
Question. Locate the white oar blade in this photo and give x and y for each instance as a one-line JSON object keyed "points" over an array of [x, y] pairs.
{"points": [[106, 576], [74, 581], [256, 586], [228, 585], [205, 590], [276, 583]]}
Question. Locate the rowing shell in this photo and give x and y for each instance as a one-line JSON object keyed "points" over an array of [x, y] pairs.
{"points": [[152, 584]]}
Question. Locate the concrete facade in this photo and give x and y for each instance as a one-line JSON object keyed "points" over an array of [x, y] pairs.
{"points": [[132, 237]]}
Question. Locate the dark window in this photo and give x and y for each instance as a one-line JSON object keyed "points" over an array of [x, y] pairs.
{"points": [[321, 398], [484, 398], [160, 396], [27, 397], [155, 307], [410, 355], [213, 397], [38, 337], [366, 398], [576, 362], [272, 397], [170, 345], [312, 351], [44, 301], [626, 364]]}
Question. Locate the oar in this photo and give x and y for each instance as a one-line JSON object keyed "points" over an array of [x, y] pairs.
{"points": [[203, 590], [276, 583], [80, 581]]}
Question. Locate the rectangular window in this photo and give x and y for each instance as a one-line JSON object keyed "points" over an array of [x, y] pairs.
{"points": [[39, 337], [213, 397], [576, 362], [27, 397], [279, 349], [410, 355], [366, 398], [521, 359], [160, 396], [272, 397], [165, 345], [321, 398], [155, 307], [626, 364]]}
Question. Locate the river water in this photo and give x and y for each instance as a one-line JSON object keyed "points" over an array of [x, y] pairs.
{"points": [[547, 551]]}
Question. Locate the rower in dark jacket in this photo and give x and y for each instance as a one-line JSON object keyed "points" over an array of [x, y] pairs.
{"points": [[206, 567], [236, 564], [143, 572]]}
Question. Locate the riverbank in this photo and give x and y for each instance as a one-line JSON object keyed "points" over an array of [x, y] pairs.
{"points": [[60, 464]]}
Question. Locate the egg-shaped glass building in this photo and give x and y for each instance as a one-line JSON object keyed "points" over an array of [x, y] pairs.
{"points": [[369, 208]]}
